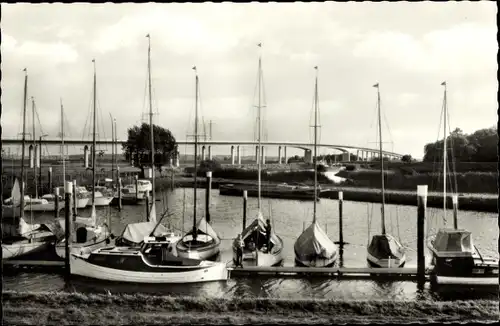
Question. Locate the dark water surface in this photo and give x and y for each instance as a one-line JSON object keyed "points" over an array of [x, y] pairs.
{"points": [[361, 220]]}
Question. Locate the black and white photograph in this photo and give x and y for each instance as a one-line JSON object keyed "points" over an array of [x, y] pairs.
{"points": [[229, 163]]}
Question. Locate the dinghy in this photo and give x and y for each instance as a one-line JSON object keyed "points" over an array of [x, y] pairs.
{"points": [[313, 248], [384, 250], [202, 242]]}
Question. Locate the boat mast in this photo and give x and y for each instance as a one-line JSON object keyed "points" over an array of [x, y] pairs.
{"points": [[94, 145], [315, 142], [151, 127], [112, 148], [444, 153], [24, 140], [34, 145], [259, 151], [195, 152], [62, 142], [382, 208]]}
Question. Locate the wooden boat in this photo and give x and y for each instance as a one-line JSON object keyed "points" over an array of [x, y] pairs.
{"points": [[202, 242], [384, 250], [279, 192], [313, 248], [455, 258], [44, 204], [254, 236]]}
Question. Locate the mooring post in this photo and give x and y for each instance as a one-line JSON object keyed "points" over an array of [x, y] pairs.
{"points": [[75, 206], [50, 178], [422, 206], [207, 195], [137, 188], [172, 184], [68, 190], [454, 199], [341, 234], [56, 203], [245, 198], [120, 194], [147, 206]]}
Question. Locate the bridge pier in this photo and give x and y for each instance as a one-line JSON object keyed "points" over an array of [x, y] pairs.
{"points": [[177, 155], [203, 152], [209, 152], [284, 155], [238, 155], [232, 154], [346, 157], [263, 156], [279, 154], [307, 156], [257, 154]]}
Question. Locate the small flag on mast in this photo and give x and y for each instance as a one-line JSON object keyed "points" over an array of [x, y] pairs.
{"points": [[25, 69], [316, 67], [147, 35], [443, 83], [376, 85], [259, 45], [194, 68], [93, 60]]}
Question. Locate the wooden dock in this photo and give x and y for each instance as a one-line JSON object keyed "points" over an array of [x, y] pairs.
{"points": [[34, 263], [330, 272]]}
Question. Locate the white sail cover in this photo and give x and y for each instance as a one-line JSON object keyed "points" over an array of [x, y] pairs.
{"points": [[152, 213], [384, 246], [259, 225], [135, 232], [205, 227], [453, 241], [314, 242]]}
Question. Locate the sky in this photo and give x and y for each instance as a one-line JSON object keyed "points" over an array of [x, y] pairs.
{"points": [[408, 48]]}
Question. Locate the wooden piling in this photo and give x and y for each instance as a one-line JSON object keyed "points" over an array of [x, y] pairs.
{"points": [[56, 203], [120, 194], [245, 199], [454, 200], [68, 190], [341, 234], [207, 195], [137, 188], [147, 206], [422, 206], [50, 178], [75, 205]]}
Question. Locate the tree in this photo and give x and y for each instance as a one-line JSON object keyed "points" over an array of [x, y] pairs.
{"points": [[138, 145], [406, 158]]}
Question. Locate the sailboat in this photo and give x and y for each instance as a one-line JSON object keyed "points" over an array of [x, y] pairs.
{"points": [[455, 258], [384, 250], [254, 236], [134, 233], [313, 248], [88, 236], [202, 242], [23, 238]]}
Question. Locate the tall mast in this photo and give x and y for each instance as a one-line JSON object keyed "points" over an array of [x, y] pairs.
{"points": [[62, 142], [315, 142], [112, 148], [259, 151], [116, 152], [195, 151], [151, 127], [444, 153], [24, 139], [34, 145], [382, 209], [94, 143]]}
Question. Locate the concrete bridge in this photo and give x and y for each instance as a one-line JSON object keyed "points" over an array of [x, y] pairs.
{"points": [[362, 153]]}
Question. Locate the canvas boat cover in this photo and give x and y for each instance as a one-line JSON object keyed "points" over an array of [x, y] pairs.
{"points": [[314, 242], [454, 241], [135, 232], [15, 195], [152, 213], [384, 246], [258, 225], [206, 228]]}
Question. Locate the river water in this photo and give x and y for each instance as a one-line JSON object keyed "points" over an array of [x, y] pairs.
{"points": [[360, 220]]}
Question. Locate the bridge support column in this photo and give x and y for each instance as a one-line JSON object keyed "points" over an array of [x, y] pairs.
{"points": [[86, 156], [232, 155], [177, 155], [238, 155], [284, 155], [346, 157], [257, 154], [307, 156], [209, 152], [357, 156], [203, 152], [263, 156], [279, 155]]}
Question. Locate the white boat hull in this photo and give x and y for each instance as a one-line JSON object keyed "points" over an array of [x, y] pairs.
{"points": [[264, 259], [200, 255], [101, 201], [82, 202], [470, 281], [386, 263], [49, 207], [19, 248], [82, 248], [212, 272]]}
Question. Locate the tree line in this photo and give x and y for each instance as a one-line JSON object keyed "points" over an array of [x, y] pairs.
{"points": [[480, 146]]}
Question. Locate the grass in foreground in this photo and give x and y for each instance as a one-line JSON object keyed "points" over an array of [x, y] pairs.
{"points": [[28, 308]]}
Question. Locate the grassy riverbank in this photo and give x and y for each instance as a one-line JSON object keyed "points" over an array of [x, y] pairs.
{"points": [[25, 308]]}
